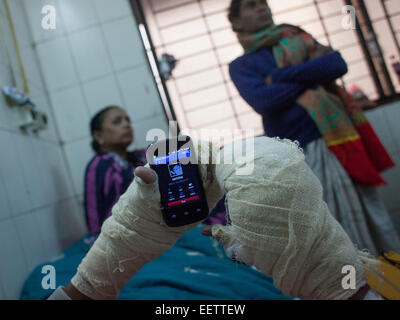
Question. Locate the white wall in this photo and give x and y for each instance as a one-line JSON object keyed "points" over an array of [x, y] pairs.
{"points": [[93, 58], [386, 120], [39, 212]]}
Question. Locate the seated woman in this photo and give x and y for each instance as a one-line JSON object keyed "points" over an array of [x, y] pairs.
{"points": [[110, 171]]}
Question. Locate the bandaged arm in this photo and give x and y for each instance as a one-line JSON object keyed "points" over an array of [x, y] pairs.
{"points": [[280, 224], [134, 235]]}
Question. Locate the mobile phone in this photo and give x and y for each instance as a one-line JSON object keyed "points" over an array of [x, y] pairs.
{"points": [[183, 198]]}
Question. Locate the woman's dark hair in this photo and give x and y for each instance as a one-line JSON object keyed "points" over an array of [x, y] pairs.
{"points": [[96, 124], [234, 9]]}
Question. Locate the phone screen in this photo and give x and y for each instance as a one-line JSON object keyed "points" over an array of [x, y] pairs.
{"points": [[182, 195]]}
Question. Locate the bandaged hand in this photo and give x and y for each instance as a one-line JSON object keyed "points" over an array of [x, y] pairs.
{"points": [[280, 224], [136, 233]]}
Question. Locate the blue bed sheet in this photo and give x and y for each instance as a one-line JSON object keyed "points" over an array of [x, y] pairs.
{"points": [[196, 268]]}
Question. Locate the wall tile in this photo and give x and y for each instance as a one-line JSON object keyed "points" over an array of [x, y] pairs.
{"points": [[5, 75], [5, 210], [395, 215], [77, 14], [54, 164], [34, 15], [56, 63], [2, 11], [78, 153], [14, 272], [108, 10], [378, 121], [60, 225], [392, 114], [101, 93], [80, 199], [390, 193], [139, 92], [71, 223], [11, 60], [90, 54], [3, 295], [142, 127], [21, 26], [12, 174], [31, 168], [3, 50], [44, 170], [71, 113], [7, 117], [31, 67], [124, 43], [41, 99], [28, 227], [49, 229]]}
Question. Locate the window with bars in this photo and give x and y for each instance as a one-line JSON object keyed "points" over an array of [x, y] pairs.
{"points": [[380, 22], [198, 34]]}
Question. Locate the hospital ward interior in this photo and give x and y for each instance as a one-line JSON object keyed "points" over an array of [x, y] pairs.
{"points": [[282, 176]]}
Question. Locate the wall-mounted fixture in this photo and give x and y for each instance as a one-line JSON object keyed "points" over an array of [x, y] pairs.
{"points": [[39, 121], [167, 64], [25, 111]]}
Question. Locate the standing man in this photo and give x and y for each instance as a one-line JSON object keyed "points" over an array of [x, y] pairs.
{"points": [[289, 78]]}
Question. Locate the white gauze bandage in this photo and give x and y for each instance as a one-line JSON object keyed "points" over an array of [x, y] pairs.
{"points": [[136, 234], [281, 225]]}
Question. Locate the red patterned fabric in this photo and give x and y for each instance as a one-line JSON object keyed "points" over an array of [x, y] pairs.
{"points": [[338, 116]]}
